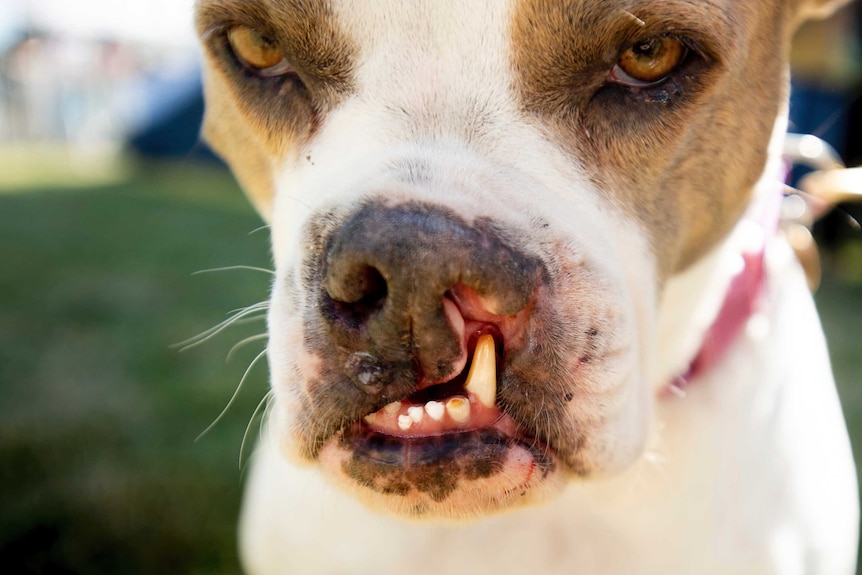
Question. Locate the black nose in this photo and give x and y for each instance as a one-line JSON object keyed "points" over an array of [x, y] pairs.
{"points": [[387, 271]]}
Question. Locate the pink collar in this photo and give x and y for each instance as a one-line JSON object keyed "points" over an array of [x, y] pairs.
{"points": [[746, 294]]}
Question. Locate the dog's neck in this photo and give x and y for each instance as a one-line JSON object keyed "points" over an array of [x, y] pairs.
{"points": [[746, 296], [730, 290]]}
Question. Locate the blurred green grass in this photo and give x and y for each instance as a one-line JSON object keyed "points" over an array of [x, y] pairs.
{"points": [[99, 468]]}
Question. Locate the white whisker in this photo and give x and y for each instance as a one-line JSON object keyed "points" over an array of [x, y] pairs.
{"points": [[257, 306], [264, 402], [235, 394], [221, 326], [232, 268], [261, 228], [639, 22], [244, 342], [251, 319]]}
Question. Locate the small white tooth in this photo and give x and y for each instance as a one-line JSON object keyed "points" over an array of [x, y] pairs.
{"points": [[405, 422], [482, 378], [435, 410], [392, 408], [459, 409], [370, 419], [416, 413]]}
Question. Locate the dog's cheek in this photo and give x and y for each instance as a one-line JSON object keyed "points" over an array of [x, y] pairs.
{"points": [[292, 365], [734, 128], [593, 334], [625, 341], [231, 136], [256, 148], [611, 405]]}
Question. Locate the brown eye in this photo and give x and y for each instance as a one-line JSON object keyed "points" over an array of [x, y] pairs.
{"points": [[648, 62], [257, 52]]}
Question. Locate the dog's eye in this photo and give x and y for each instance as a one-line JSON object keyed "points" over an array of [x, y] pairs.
{"points": [[257, 53], [649, 62]]}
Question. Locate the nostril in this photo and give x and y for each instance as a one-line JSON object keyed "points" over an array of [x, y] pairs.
{"points": [[354, 296], [363, 283]]}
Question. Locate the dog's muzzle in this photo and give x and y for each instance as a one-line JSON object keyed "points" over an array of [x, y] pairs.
{"points": [[418, 312]]}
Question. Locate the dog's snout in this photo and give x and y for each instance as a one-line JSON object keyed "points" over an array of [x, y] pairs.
{"points": [[388, 271]]}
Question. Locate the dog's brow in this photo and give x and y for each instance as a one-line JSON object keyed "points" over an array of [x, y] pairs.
{"points": [[611, 20]]}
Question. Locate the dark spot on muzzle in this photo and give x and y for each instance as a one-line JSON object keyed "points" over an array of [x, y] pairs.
{"points": [[435, 465], [386, 272]]}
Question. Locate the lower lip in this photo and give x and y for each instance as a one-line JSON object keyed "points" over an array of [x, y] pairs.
{"points": [[454, 474], [490, 443]]}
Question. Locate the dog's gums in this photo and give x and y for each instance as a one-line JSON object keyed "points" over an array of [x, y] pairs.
{"points": [[474, 409]]}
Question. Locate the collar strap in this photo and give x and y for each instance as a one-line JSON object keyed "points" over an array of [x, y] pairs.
{"points": [[744, 298], [746, 295]]}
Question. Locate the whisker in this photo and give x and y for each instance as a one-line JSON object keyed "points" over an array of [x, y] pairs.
{"points": [[234, 396], [232, 268], [298, 201], [220, 327], [634, 18], [266, 411], [245, 341], [261, 228], [259, 305], [264, 402], [251, 319]]}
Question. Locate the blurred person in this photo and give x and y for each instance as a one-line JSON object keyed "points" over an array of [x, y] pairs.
{"points": [[826, 68], [32, 109]]}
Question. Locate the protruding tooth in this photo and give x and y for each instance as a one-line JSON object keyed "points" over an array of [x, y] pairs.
{"points": [[482, 379], [435, 410], [459, 409], [416, 413], [370, 419], [405, 422], [392, 408]]}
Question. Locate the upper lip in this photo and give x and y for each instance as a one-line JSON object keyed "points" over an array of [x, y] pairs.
{"points": [[469, 399]]}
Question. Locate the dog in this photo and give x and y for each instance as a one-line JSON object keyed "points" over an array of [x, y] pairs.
{"points": [[531, 312]]}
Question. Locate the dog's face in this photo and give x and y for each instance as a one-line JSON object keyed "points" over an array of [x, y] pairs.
{"points": [[503, 186]]}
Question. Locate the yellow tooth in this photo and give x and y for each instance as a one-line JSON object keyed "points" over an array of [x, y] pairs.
{"points": [[482, 379], [458, 409]]}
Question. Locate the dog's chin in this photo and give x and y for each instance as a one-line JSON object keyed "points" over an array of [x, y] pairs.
{"points": [[452, 475]]}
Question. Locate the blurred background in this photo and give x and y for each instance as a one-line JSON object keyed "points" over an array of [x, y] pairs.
{"points": [[109, 204]]}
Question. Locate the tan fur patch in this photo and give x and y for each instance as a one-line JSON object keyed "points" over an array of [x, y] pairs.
{"points": [[253, 121], [680, 158]]}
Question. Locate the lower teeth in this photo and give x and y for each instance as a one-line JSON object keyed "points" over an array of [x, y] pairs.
{"points": [[481, 386]]}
